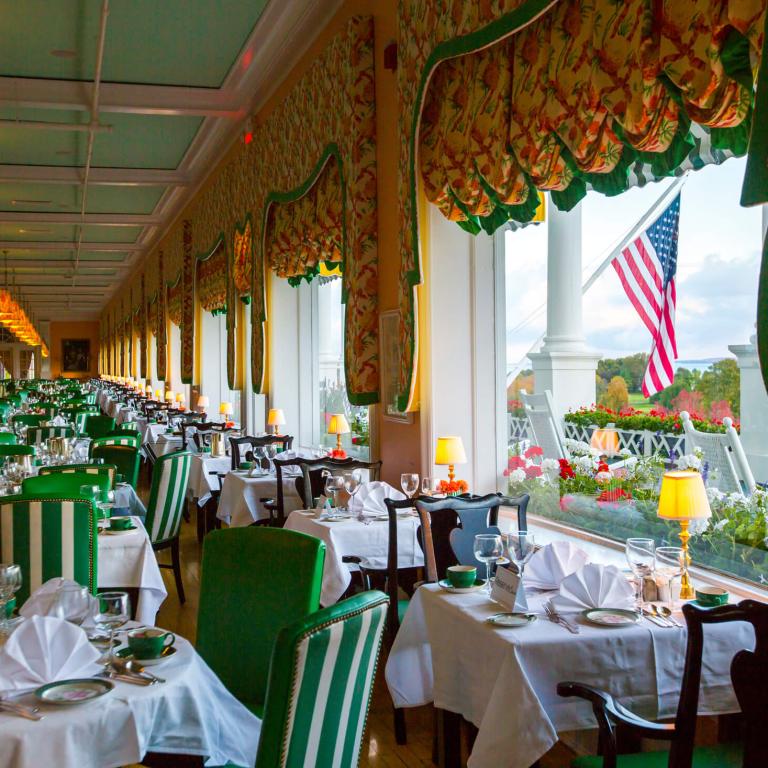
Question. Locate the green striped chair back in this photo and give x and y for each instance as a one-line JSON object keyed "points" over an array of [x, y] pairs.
{"points": [[98, 426], [8, 438], [167, 497], [29, 419], [16, 450], [50, 409], [90, 397], [49, 538], [79, 417], [90, 469], [320, 683], [132, 441], [37, 435], [125, 457], [64, 484], [129, 426]]}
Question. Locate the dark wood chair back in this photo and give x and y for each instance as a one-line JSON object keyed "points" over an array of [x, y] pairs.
{"points": [[316, 484], [236, 445], [202, 431]]}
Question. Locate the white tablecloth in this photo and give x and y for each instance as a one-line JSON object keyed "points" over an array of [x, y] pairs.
{"points": [[201, 481], [149, 432], [240, 504], [192, 713], [128, 560], [504, 680], [126, 498], [351, 537]]}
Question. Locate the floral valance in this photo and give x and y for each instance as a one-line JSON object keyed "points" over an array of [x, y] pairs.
{"points": [[174, 303], [241, 259], [309, 230], [212, 280]]}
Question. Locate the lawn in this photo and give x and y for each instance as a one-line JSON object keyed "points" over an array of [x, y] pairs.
{"points": [[637, 400]]}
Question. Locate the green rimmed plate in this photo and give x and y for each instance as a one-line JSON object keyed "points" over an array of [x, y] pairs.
{"points": [[610, 617], [510, 620], [68, 693], [448, 587]]}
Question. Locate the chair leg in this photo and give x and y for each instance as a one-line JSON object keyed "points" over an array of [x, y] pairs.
{"points": [[176, 560], [401, 735]]}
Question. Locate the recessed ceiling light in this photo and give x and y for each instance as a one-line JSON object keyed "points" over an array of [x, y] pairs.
{"points": [[63, 53], [31, 202]]}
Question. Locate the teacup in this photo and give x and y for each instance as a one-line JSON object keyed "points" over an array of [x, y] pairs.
{"points": [[710, 597], [462, 576], [149, 643], [246, 465], [120, 523]]}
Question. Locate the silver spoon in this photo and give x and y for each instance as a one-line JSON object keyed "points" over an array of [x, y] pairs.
{"points": [[664, 611], [133, 667]]}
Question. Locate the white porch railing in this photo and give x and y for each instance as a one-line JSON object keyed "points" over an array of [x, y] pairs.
{"points": [[635, 441]]}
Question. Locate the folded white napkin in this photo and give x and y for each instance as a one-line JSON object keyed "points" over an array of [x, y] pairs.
{"points": [[58, 421], [369, 499], [45, 649], [594, 586], [552, 563], [50, 600]]}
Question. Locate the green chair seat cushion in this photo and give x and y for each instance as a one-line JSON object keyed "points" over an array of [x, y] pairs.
{"points": [[402, 607], [255, 707], [720, 756]]}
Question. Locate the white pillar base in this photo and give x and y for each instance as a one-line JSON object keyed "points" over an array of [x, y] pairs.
{"points": [[568, 374]]}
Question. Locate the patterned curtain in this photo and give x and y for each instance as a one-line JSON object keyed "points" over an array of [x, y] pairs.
{"points": [[6, 363], [303, 233], [600, 96], [174, 307], [241, 259], [27, 363], [212, 280], [152, 315]]}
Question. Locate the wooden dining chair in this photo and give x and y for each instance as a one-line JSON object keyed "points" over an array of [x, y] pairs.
{"points": [[749, 676], [236, 445], [65, 544]]}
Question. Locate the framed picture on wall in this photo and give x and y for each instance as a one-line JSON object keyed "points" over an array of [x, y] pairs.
{"points": [[75, 355], [389, 329]]}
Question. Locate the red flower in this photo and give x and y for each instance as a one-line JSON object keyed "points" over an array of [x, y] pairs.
{"points": [[515, 462], [533, 471], [566, 470], [603, 467], [534, 450], [614, 494], [337, 453]]}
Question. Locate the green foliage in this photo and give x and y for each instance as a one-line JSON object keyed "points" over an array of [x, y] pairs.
{"points": [[630, 418], [630, 368], [616, 394], [722, 382]]}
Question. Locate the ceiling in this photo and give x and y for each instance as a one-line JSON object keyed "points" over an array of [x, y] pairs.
{"points": [[112, 112]]}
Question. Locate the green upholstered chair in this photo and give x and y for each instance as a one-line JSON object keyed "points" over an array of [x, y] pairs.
{"points": [[16, 450], [308, 724], [108, 470], [66, 484], [749, 676], [122, 437], [90, 398], [124, 457], [50, 409], [37, 435], [128, 426], [167, 498], [29, 419], [98, 426], [8, 438], [254, 581], [49, 538], [79, 417]]}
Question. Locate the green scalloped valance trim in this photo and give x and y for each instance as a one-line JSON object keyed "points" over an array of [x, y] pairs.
{"points": [[219, 311], [314, 272]]}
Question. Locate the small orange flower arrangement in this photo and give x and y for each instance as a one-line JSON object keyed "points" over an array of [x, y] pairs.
{"points": [[452, 487], [338, 453]]}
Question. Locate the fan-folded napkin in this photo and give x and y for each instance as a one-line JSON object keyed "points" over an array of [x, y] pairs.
{"points": [[552, 563], [594, 586], [369, 499]]}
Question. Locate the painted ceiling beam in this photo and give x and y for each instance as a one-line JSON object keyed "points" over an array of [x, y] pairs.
{"points": [[101, 219], [43, 245], [119, 177]]}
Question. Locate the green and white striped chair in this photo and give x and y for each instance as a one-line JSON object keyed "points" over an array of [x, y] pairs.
{"points": [[128, 426], [37, 435], [49, 538], [89, 469], [79, 417], [8, 438], [320, 683], [167, 499], [131, 441]]}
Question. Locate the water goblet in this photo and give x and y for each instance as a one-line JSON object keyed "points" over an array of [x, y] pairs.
{"points": [[351, 485], [333, 484], [10, 583], [72, 603], [669, 565], [641, 556], [113, 610], [488, 549], [409, 482], [519, 548], [428, 486]]}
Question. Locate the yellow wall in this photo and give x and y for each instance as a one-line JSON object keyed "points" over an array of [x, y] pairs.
{"points": [[84, 330]]}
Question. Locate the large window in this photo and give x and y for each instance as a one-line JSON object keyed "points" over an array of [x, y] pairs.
{"points": [[214, 382], [715, 375]]}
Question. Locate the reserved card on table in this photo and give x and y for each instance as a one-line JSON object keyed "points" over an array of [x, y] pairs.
{"points": [[507, 589]]}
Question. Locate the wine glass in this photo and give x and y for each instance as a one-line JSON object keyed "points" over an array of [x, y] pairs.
{"points": [[428, 486], [72, 603], [488, 549], [113, 610], [520, 547], [669, 565], [10, 583], [333, 484], [641, 556], [351, 485], [409, 482]]}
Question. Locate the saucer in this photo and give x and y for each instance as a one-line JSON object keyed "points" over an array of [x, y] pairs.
{"points": [[168, 653], [511, 619], [448, 587]]}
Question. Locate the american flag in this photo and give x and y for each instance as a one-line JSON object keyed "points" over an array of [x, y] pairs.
{"points": [[646, 268]]}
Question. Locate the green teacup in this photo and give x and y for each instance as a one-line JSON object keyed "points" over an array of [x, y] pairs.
{"points": [[246, 465], [461, 576], [711, 597], [149, 643], [120, 523]]}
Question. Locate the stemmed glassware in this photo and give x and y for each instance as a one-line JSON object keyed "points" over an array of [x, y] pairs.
{"points": [[641, 556], [488, 550], [409, 482], [113, 611], [72, 603], [10, 583], [519, 548], [428, 486], [334, 484], [669, 565], [351, 485]]}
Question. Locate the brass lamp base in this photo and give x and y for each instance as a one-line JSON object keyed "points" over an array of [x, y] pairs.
{"points": [[451, 474], [687, 591]]}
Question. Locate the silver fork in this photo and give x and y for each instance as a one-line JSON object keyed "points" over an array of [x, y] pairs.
{"points": [[14, 708], [556, 618]]}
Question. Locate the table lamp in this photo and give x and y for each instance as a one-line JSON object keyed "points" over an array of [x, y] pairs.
{"points": [[225, 409], [158, 394], [605, 440], [180, 400], [203, 402], [450, 451], [149, 390], [275, 419], [169, 395], [338, 425], [684, 498]]}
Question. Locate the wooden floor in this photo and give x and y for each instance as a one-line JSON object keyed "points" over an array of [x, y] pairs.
{"points": [[380, 749]]}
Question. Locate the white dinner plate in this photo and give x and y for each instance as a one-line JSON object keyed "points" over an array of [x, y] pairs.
{"points": [[610, 617], [113, 532], [68, 693], [511, 619]]}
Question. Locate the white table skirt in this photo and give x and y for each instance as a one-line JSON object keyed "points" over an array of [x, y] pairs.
{"points": [[350, 537], [504, 680], [240, 503], [126, 498], [201, 482], [192, 713], [128, 560]]}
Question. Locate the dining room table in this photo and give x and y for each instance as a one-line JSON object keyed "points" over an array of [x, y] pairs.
{"points": [[242, 494], [126, 560], [201, 482], [190, 713], [504, 680], [366, 538]]}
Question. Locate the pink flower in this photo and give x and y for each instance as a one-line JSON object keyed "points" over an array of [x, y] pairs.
{"points": [[516, 462], [534, 450], [534, 470]]}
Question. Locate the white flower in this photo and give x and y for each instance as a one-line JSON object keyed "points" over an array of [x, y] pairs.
{"points": [[584, 465], [550, 465], [689, 461], [737, 498], [517, 476], [714, 494]]}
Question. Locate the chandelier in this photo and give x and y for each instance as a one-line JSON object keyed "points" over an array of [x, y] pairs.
{"points": [[15, 319]]}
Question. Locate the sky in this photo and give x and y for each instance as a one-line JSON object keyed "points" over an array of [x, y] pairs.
{"points": [[718, 263]]}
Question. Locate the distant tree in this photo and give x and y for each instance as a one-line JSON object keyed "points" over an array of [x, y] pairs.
{"points": [[693, 402], [600, 386], [616, 395], [523, 380], [684, 379], [721, 382], [633, 369], [607, 368], [720, 409]]}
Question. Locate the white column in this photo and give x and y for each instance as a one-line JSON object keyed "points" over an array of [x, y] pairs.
{"points": [[565, 365]]}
